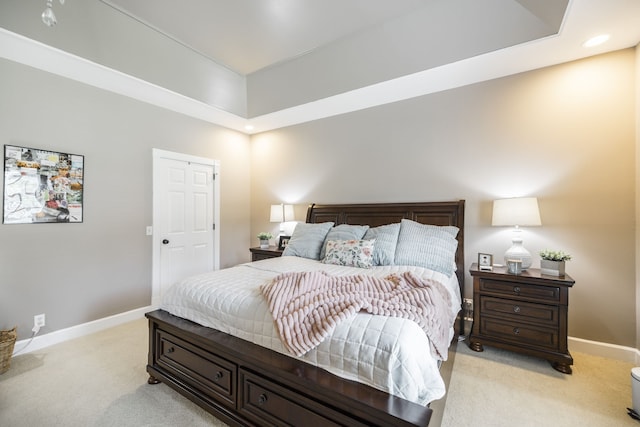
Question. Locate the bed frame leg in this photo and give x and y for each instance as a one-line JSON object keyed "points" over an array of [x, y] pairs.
{"points": [[153, 380]]}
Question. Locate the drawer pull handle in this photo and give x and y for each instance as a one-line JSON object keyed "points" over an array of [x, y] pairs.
{"points": [[262, 399], [218, 376], [516, 331], [516, 289], [171, 350], [516, 309]]}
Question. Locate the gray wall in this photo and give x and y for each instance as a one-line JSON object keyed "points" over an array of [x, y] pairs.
{"points": [[75, 273], [565, 134]]}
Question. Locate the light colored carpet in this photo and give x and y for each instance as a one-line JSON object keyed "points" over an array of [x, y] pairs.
{"points": [[100, 380], [500, 388]]}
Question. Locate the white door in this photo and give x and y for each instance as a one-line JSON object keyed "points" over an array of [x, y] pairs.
{"points": [[184, 218]]}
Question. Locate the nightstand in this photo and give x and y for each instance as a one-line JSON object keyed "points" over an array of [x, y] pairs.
{"points": [[271, 252], [526, 313]]}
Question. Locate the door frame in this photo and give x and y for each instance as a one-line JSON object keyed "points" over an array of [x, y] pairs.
{"points": [[158, 154]]}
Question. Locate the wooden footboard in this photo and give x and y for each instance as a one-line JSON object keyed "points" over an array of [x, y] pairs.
{"points": [[247, 385]]}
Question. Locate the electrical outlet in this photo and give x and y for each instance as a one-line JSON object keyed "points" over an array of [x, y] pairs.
{"points": [[468, 309], [38, 321]]}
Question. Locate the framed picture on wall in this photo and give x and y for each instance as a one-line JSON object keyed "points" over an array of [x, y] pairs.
{"points": [[42, 186]]}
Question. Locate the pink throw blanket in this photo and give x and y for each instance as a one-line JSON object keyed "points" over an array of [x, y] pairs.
{"points": [[307, 306]]}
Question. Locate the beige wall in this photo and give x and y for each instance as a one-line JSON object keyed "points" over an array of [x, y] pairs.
{"points": [[565, 134]]}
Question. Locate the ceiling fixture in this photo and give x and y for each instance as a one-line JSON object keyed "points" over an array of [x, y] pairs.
{"points": [[597, 40], [48, 17]]}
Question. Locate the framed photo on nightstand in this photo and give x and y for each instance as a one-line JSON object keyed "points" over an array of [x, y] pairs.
{"points": [[283, 241], [485, 262]]}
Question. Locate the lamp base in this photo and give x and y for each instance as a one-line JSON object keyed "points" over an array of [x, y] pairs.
{"points": [[518, 252]]}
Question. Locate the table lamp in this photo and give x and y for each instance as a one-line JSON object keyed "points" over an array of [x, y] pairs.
{"points": [[282, 213], [517, 212]]}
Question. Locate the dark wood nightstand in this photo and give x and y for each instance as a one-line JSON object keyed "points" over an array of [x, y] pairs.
{"points": [[271, 252], [526, 313]]}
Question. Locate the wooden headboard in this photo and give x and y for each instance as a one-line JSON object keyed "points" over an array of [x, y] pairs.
{"points": [[375, 214]]}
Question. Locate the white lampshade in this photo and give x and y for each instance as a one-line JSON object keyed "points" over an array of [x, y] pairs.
{"points": [[277, 214], [281, 213], [288, 213], [521, 211]]}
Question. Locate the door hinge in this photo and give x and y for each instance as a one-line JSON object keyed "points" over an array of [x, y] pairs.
{"points": [[214, 226]]}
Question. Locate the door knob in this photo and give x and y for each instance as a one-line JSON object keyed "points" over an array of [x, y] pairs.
{"points": [[165, 242]]}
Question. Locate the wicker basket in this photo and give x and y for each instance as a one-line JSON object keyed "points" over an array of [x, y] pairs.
{"points": [[7, 341]]}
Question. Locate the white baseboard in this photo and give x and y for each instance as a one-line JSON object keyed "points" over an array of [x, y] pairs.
{"points": [[611, 351], [56, 337]]}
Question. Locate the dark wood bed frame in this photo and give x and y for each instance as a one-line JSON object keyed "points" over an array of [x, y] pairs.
{"points": [[244, 384]]}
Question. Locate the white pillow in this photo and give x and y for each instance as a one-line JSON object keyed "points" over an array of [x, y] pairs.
{"points": [[307, 239], [428, 246], [352, 253]]}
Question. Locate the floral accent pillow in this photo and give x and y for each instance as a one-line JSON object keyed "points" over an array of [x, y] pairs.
{"points": [[352, 253]]}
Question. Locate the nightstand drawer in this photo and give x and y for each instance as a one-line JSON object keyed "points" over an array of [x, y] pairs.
{"points": [[519, 333], [519, 310], [549, 294]]}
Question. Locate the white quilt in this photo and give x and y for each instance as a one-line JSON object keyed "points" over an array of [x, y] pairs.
{"points": [[388, 353]]}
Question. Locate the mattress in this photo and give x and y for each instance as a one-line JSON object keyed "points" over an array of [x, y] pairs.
{"points": [[388, 353]]}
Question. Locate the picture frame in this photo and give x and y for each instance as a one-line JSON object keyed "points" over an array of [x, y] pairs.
{"points": [[485, 262], [283, 241], [42, 186]]}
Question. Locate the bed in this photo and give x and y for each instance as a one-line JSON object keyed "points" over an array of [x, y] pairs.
{"points": [[239, 370]]}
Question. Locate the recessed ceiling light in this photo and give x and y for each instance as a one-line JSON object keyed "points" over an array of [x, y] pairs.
{"points": [[597, 40]]}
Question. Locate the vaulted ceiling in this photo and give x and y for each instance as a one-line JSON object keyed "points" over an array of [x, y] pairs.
{"points": [[249, 35], [340, 52]]}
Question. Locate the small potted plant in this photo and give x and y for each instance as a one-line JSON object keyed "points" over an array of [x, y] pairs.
{"points": [[264, 239], [553, 262]]}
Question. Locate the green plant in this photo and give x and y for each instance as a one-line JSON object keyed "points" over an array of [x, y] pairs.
{"points": [[263, 235], [554, 255]]}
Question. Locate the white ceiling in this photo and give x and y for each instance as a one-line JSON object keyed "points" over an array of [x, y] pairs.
{"points": [[247, 35]]}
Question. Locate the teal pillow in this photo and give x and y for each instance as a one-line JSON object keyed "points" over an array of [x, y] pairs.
{"points": [[386, 237], [307, 239], [343, 232], [428, 246]]}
